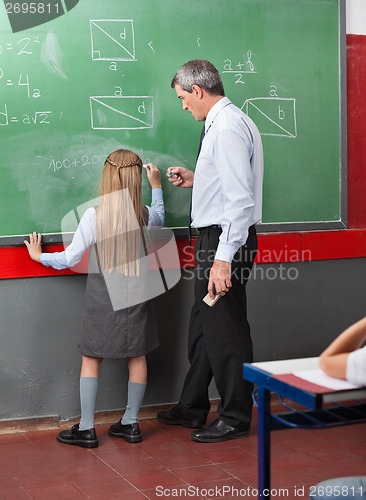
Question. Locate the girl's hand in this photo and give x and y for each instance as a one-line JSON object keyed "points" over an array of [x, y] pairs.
{"points": [[153, 175], [34, 246]]}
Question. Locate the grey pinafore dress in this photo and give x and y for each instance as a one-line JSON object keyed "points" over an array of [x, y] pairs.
{"points": [[109, 333]]}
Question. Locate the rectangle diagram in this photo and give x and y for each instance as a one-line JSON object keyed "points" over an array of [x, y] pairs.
{"points": [[274, 116], [112, 40], [121, 112]]}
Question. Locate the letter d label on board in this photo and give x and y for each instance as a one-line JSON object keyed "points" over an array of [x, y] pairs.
{"points": [[4, 117], [28, 14]]}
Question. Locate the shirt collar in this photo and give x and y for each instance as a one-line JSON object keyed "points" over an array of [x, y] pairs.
{"points": [[214, 111]]}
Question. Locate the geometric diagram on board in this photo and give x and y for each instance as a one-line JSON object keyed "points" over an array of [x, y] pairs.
{"points": [[112, 40], [274, 116], [121, 112]]}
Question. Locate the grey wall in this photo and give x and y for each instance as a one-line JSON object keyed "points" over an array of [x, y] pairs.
{"points": [[295, 310]]}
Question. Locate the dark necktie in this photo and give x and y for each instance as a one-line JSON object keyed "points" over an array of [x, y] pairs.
{"points": [[190, 205]]}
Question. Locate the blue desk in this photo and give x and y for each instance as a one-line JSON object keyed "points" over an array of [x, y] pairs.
{"points": [[321, 409]]}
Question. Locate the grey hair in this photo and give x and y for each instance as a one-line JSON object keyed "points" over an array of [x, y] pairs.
{"points": [[201, 73]]}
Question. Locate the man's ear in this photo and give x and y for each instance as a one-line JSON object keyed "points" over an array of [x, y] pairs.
{"points": [[197, 91]]}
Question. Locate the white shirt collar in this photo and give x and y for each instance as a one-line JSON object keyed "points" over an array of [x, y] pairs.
{"points": [[214, 111]]}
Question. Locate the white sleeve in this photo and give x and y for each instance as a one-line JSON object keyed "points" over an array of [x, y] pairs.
{"points": [[356, 367], [83, 238], [236, 181]]}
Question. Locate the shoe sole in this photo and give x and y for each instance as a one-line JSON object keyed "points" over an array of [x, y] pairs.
{"points": [[219, 440], [77, 442], [129, 439], [185, 423]]}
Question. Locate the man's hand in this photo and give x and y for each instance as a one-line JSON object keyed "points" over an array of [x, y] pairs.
{"points": [[34, 246], [220, 278], [180, 177]]}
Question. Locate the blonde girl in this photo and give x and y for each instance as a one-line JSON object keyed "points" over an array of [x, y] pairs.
{"points": [[114, 232]]}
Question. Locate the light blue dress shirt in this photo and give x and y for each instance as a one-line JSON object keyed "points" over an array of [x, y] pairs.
{"points": [[85, 235], [227, 189]]}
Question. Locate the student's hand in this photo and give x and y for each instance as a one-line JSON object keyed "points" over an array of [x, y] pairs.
{"points": [[220, 278], [34, 246], [180, 177], [153, 175]]}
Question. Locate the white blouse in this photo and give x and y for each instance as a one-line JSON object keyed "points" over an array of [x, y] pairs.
{"points": [[356, 367], [85, 235]]}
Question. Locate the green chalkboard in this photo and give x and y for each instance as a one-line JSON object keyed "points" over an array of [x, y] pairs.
{"points": [[98, 78]]}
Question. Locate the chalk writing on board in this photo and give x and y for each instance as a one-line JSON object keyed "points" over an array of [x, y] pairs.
{"points": [[37, 118], [84, 161], [121, 112], [24, 46], [246, 66], [240, 68], [112, 40], [274, 116], [23, 82]]}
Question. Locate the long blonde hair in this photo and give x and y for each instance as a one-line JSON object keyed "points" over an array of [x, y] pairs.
{"points": [[120, 215]]}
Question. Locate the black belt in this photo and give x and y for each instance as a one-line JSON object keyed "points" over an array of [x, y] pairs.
{"points": [[218, 228], [208, 228]]}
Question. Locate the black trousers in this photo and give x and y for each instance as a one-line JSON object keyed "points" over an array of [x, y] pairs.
{"points": [[219, 340]]}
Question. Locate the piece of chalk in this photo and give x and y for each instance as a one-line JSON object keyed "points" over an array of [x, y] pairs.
{"points": [[170, 174]]}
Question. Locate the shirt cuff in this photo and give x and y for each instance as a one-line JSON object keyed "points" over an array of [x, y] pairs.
{"points": [[225, 252]]}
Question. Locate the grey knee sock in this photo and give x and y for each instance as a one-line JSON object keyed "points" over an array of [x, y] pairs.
{"points": [[135, 397], [88, 395]]}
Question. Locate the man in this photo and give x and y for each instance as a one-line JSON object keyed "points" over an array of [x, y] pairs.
{"points": [[226, 204]]}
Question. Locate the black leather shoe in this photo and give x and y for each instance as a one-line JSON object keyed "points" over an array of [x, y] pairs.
{"points": [[218, 431], [179, 415], [85, 439], [129, 432]]}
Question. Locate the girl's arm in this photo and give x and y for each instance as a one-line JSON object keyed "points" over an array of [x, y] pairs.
{"points": [[156, 211], [333, 359], [83, 238]]}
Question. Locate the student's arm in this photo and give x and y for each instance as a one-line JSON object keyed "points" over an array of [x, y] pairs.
{"points": [[156, 210], [333, 359], [83, 238]]}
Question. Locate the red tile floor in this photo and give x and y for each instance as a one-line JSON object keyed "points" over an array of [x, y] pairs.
{"points": [[168, 464]]}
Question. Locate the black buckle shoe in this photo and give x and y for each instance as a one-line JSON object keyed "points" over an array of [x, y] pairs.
{"points": [[218, 431], [84, 439], [179, 415], [129, 432]]}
